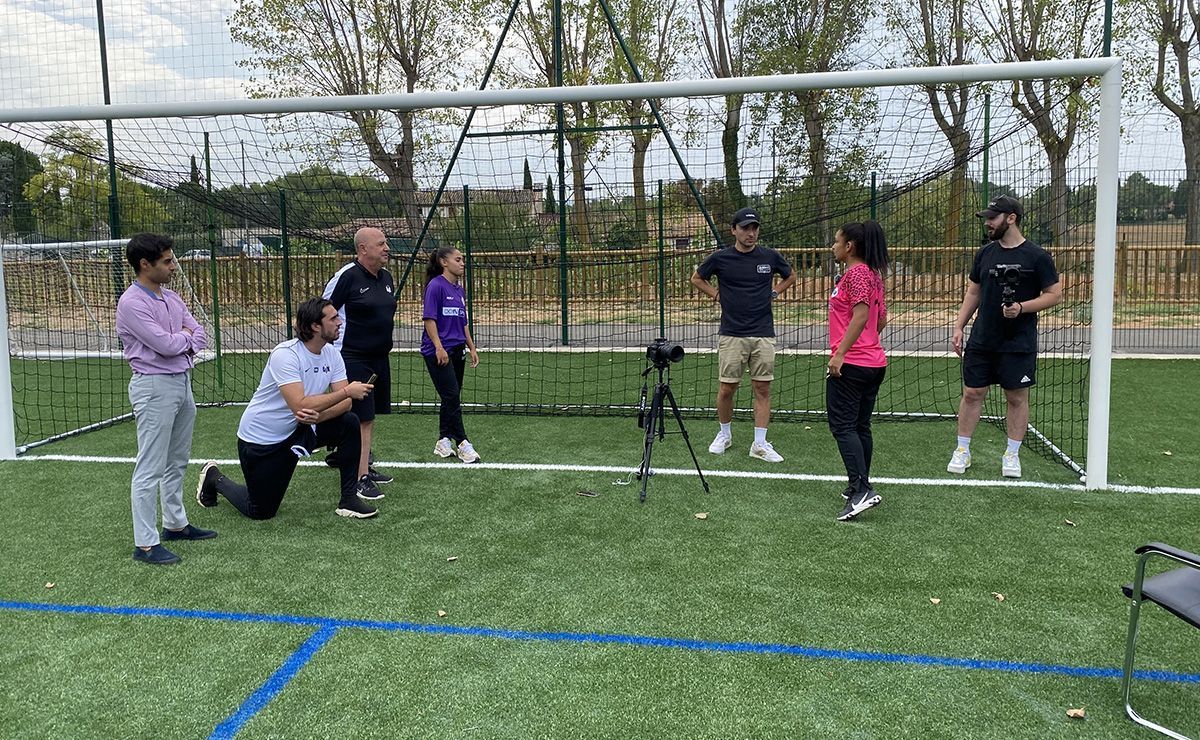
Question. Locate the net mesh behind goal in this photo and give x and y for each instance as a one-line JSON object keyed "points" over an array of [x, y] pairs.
{"points": [[263, 211]]}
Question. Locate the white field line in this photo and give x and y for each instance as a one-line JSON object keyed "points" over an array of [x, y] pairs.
{"points": [[626, 470]]}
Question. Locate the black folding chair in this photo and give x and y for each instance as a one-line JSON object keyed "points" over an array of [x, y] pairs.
{"points": [[1177, 591]]}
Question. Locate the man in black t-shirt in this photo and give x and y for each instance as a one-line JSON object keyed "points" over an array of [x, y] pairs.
{"points": [[1010, 281], [365, 297], [745, 273]]}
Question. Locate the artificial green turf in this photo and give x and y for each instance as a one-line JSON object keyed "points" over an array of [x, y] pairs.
{"points": [[769, 564], [75, 676]]}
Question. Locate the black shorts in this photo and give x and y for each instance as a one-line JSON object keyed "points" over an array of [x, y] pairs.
{"points": [[1009, 370], [378, 401]]}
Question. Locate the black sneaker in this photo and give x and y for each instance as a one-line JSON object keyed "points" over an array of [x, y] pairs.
{"points": [[367, 490], [859, 503], [156, 555], [188, 533], [355, 508], [377, 477], [206, 489], [332, 459]]}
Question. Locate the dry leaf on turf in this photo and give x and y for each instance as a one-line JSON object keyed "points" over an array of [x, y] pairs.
{"points": [[935, 602], [1069, 522], [997, 596], [702, 515], [1076, 713], [1167, 453], [441, 613], [49, 585], [451, 559]]}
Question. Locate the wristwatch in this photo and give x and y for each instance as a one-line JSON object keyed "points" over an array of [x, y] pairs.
{"points": [[774, 294]]}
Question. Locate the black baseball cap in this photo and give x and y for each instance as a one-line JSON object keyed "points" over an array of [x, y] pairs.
{"points": [[1002, 204], [745, 216]]}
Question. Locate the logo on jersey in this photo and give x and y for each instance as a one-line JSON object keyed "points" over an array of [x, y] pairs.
{"points": [[364, 290], [764, 269], [454, 311], [318, 369], [388, 288]]}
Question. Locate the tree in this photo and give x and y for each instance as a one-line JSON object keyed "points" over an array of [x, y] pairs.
{"points": [[1033, 30], [1141, 201], [528, 181], [1174, 28], [942, 33], [362, 47], [722, 36], [17, 166], [550, 204], [823, 129], [654, 32], [69, 197], [584, 36]]}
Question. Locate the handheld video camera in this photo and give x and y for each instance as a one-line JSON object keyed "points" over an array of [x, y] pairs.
{"points": [[662, 353], [1009, 277]]}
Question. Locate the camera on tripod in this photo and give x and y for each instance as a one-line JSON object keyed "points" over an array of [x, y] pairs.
{"points": [[662, 353], [1009, 277]]}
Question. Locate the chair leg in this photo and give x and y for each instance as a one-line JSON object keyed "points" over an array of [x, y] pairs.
{"points": [[1127, 677]]}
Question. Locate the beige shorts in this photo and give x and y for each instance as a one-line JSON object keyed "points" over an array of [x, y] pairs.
{"points": [[736, 355]]}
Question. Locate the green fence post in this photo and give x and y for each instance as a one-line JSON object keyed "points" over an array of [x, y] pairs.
{"points": [[212, 260], [662, 270], [286, 246], [987, 147], [467, 250]]}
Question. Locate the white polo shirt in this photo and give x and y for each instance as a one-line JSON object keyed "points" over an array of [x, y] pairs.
{"points": [[268, 420]]}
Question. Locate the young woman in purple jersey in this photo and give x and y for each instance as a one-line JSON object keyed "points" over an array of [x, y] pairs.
{"points": [[444, 346]]}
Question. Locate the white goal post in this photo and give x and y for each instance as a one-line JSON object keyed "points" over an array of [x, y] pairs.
{"points": [[1108, 69]]}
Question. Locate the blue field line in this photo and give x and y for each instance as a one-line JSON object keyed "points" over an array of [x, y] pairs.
{"points": [[273, 685], [759, 648]]}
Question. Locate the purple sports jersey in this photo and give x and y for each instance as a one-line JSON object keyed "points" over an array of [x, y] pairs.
{"points": [[444, 303]]}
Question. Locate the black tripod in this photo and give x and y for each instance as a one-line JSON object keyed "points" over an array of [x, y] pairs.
{"points": [[653, 420]]}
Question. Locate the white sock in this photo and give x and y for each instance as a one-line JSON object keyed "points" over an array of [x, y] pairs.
{"points": [[965, 443], [726, 429], [760, 435], [1014, 446]]}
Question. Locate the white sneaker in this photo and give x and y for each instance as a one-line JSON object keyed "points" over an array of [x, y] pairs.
{"points": [[444, 447], [765, 451], [467, 453], [720, 443], [1010, 465], [959, 461]]}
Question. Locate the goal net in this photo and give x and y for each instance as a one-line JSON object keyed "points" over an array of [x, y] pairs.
{"points": [[574, 265]]}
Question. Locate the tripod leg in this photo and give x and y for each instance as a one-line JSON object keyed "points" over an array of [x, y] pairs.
{"points": [[683, 431], [654, 424]]}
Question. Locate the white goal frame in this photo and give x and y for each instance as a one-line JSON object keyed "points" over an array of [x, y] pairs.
{"points": [[1108, 69]]}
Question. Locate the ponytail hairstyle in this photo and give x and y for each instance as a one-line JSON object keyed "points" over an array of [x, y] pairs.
{"points": [[869, 243], [435, 261]]}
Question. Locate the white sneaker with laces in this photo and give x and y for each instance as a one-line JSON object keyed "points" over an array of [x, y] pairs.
{"points": [[765, 451], [959, 461], [444, 447], [467, 453], [720, 443], [1010, 465]]}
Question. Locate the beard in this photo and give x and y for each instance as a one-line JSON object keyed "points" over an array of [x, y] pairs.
{"points": [[997, 233]]}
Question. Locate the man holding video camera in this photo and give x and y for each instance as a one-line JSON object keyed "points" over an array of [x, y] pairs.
{"points": [[1011, 280]]}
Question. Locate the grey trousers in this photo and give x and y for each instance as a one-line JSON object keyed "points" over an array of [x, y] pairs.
{"points": [[165, 412]]}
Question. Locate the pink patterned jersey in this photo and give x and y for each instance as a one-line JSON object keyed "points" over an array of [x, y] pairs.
{"points": [[860, 284]]}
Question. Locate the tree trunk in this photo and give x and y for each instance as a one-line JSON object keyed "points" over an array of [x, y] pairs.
{"points": [[1059, 207], [960, 144], [1191, 158], [729, 147], [641, 143], [814, 127], [579, 217], [407, 180]]}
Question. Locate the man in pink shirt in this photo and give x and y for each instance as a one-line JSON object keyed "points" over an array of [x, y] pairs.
{"points": [[160, 339]]}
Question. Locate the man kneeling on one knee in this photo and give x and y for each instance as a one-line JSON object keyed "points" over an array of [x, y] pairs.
{"points": [[302, 403]]}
